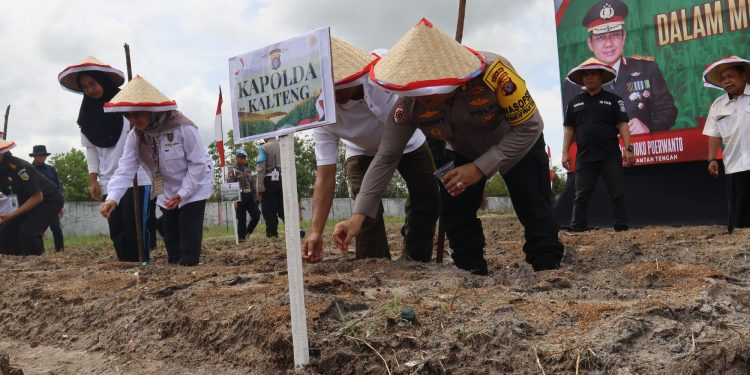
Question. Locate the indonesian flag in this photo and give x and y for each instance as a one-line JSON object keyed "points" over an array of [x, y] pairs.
{"points": [[551, 173], [219, 131]]}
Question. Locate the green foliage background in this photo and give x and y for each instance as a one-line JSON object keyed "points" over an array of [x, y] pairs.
{"points": [[74, 175]]}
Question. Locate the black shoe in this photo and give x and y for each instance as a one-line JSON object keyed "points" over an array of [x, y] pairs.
{"points": [[545, 262], [621, 228], [301, 233]]}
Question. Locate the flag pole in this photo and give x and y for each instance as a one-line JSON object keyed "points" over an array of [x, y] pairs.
{"points": [[5, 128], [136, 193]]}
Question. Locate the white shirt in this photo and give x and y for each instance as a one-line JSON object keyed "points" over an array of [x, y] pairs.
{"points": [[103, 160], [359, 125], [184, 165], [730, 120]]}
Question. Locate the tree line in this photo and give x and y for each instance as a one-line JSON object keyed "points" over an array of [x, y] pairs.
{"points": [[73, 173]]}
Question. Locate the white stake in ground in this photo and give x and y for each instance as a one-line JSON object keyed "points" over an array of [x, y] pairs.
{"points": [[294, 251]]}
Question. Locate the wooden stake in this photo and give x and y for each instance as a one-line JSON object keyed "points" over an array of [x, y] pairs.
{"points": [[136, 193], [440, 245], [5, 128], [460, 24], [300, 342]]}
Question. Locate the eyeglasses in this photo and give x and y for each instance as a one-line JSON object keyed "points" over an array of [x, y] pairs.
{"points": [[615, 36]]}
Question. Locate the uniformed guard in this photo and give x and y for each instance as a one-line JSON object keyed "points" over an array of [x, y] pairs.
{"points": [[595, 118], [269, 185], [482, 108], [40, 154], [35, 202], [639, 81], [247, 204]]}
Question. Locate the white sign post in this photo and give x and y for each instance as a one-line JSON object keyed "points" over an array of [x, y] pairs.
{"points": [[230, 191], [276, 91], [294, 251]]}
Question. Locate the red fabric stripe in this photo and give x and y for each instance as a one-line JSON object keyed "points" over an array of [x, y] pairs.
{"points": [[220, 148], [143, 104], [561, 12], [602, 22], [358, 74]]}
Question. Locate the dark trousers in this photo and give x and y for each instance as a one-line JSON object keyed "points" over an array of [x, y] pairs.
{"points": [[23, 234], [272, 206], [530, 193], [122, 230], [422, 207], [183, 233], [738, 199], [57, 234], [586, 175], [246, 205]]}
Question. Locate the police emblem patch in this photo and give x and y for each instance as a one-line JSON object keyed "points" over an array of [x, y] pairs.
{"points": [[24, 176], [399, 115]]}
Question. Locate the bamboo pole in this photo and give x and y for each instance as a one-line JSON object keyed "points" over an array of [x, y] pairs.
{"points": [[136, 193], [440, 246], [5, 128]]}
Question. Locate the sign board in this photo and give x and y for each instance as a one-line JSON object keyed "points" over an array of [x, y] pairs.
{"points": [[283, 88], [660, 53], [230, 191]]}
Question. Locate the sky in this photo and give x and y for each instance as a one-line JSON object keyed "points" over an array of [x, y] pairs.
{"points": [[182, 48]]}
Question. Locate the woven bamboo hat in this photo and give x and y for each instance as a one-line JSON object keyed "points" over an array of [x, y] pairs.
{"points": [[576, 74], [350, 64], [69, 76], [139, 95], [426, 61], [712, 72], [5, 146]]}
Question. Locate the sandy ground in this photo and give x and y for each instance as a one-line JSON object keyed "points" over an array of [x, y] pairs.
{"points": [[656, 300]]}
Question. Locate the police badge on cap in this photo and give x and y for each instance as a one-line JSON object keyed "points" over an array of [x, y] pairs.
{"points": [[605, 16]]}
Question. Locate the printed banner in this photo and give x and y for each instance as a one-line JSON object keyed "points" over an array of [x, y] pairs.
{"points": [[283, 88], [659, 49]]}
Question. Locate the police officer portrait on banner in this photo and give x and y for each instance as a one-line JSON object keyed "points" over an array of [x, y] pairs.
{"points": [[248, 203], [638, 81]]}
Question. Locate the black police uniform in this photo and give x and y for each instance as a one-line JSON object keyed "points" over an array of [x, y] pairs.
{"points": [[595, 119], [642, 87], [49, 171], [22, 235], [246, 204], [272, 203], [639, 80]]}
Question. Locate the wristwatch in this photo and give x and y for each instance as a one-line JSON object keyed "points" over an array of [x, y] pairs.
{"points": [[629, 148]]}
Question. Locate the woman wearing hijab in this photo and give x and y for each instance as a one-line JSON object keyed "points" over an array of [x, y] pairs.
{"points": [[167, 144], [103, 135]]}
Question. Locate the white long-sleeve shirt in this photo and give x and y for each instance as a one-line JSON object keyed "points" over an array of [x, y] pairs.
{"points": [[184, 164], [730, 120], [359, 125], [103, 160]]}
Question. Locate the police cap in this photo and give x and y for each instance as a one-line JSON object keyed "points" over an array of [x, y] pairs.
{"points": [[605, 16]]}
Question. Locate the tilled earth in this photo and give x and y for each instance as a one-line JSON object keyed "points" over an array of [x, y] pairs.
{"points": [[657, 300]]}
